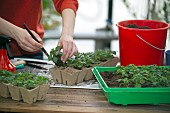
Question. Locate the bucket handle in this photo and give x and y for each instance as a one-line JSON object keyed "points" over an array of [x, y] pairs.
{"points": [[149, 43]]}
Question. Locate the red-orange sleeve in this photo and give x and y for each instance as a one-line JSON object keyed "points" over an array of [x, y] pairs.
{"points": [[60, 5]]}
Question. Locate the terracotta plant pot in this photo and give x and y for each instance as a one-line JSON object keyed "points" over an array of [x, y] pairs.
{"points": [[4, 91], [15, 92], [29, 96], [43, 89]]}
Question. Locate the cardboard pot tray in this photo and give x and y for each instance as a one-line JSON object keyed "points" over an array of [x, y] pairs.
{"points": [[71, 76]]}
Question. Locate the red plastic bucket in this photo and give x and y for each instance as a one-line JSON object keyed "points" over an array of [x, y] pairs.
{"points": [[142, 46]]}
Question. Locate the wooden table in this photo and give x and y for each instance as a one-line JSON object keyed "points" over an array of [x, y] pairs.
{"points": [[63, 100]]}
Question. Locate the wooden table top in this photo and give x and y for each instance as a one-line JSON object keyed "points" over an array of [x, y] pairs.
{"points": [[64, 100]]}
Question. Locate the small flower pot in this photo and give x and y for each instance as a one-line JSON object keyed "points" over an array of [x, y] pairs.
{"points": [[15, 92], [88, 73], [81, 76], [43, 89], [56, 74], [29, 96], [69, 76], [111, 62], [4, 91]]}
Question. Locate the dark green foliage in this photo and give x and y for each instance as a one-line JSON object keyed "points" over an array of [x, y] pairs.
{"points": [[103, 55], [26, 80], [82, 60], [55, 56], [6, 76], [143, 76], [90, 59]]}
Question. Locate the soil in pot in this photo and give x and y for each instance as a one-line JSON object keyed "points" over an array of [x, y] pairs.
{"points": [[110, 80], [137, 27]]}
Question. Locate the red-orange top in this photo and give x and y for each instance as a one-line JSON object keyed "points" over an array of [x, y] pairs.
{"points": [[29, 12]]}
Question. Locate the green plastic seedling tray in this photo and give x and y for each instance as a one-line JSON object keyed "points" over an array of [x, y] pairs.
{"points": [[127, 96]]}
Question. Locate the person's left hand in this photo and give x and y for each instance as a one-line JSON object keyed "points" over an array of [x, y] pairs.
{"points": [[68, 45]]}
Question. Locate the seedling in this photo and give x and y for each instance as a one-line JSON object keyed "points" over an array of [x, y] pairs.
{"points": [[141, 76], [55, 56], [82, 60], [26, 80]]}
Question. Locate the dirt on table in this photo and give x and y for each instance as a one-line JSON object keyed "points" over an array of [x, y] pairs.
{"points": [[137, 27]]}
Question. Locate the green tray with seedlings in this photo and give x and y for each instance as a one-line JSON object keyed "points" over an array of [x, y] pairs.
{"points": [[23, 86], [135, 84]]}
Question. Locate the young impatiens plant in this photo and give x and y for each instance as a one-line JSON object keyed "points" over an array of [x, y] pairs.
{"points": [[29, 81], [81, 60], [23, 86], [26, 80], [103, 55], [78, 68], [55, 56], [7, 76]]}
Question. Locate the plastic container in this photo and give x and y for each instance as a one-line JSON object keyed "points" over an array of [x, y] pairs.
{"points": [[142, 46], [167, 53], [127, 96], [5, 63]]}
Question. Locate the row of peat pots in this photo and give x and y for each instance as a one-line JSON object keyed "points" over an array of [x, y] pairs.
{"points": [[19, 93], [72, 76], [25, 87], [78, 69]]}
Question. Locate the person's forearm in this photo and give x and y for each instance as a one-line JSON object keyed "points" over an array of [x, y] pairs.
{"points": [[68, 22], [7, 28]]}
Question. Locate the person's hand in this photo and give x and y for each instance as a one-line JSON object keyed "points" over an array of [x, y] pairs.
{"points": [[68, 45], [23, 38], [26, 42]]}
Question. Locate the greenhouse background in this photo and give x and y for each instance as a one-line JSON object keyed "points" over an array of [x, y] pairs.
{"points": [[93, 15]]}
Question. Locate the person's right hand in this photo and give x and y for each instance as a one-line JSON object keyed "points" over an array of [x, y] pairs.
{"points": [[23, 38], [26, 42]]}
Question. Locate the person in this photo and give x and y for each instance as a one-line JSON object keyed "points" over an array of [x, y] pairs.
{"points": [[14, 13]]}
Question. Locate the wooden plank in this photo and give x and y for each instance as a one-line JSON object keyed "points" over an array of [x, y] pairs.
{"points": [[63, 100], [73, 109], [76, 91]]}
